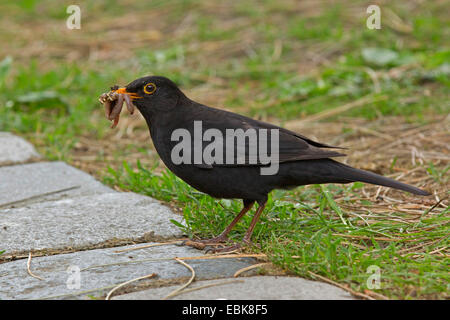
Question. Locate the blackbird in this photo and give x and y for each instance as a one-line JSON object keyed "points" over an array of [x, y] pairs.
{"points": [[295, 159]]}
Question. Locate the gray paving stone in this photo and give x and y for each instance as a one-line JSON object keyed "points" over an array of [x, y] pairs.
{"points": [[251, 288], [32, 181], [15, 283], [14, 149], [83, 221]]}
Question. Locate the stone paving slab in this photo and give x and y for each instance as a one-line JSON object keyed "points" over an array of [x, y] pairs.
{"points": [[26, 181], [84, 221], [251, 288], [14, 149], [16, 283]]}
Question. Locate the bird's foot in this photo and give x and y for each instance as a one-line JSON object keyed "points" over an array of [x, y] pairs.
{"points": [[201, 244], [228, 249], [223, 249]]}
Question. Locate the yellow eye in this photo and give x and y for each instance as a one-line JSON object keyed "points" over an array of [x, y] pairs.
{"points": [[149, 88]]}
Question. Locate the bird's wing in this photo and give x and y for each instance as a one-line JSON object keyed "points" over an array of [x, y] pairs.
{"points": [[291, 146]]}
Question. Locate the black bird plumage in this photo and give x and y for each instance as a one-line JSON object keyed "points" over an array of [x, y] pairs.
{"points": [[302, 161]]}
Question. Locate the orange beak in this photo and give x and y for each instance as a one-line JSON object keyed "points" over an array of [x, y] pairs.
{"points": [[131, 94]]}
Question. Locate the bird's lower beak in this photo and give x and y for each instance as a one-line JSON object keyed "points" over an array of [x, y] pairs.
{"points": [[131, 94]]}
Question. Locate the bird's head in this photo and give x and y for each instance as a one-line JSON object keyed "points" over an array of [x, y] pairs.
{"points": [[153, 94]]}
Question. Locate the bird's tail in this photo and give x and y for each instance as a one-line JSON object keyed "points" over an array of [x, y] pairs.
{"points": [[333, 171]]}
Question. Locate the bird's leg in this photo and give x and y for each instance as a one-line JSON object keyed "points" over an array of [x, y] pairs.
{"points": [[200, 244], [247, 236], [223, 236]]}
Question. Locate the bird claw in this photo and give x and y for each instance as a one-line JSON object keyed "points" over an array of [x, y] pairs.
{"points": [[202, 244], [216, 245], [229, 249]]}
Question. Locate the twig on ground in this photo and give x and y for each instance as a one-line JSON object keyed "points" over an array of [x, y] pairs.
{"points": [[374, 238], [225, 256], [178, 290], [108, 296], [29, 268], [222, 256], [237, 273]]}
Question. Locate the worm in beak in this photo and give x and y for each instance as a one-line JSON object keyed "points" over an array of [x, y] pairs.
{"points": [[113, 103]]}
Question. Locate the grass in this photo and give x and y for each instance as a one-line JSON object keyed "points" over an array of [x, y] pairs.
{"points": [[314, 233], [278, 61]]}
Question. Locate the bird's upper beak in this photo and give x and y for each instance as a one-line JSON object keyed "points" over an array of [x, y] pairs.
{"points": [[132, 95]]}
